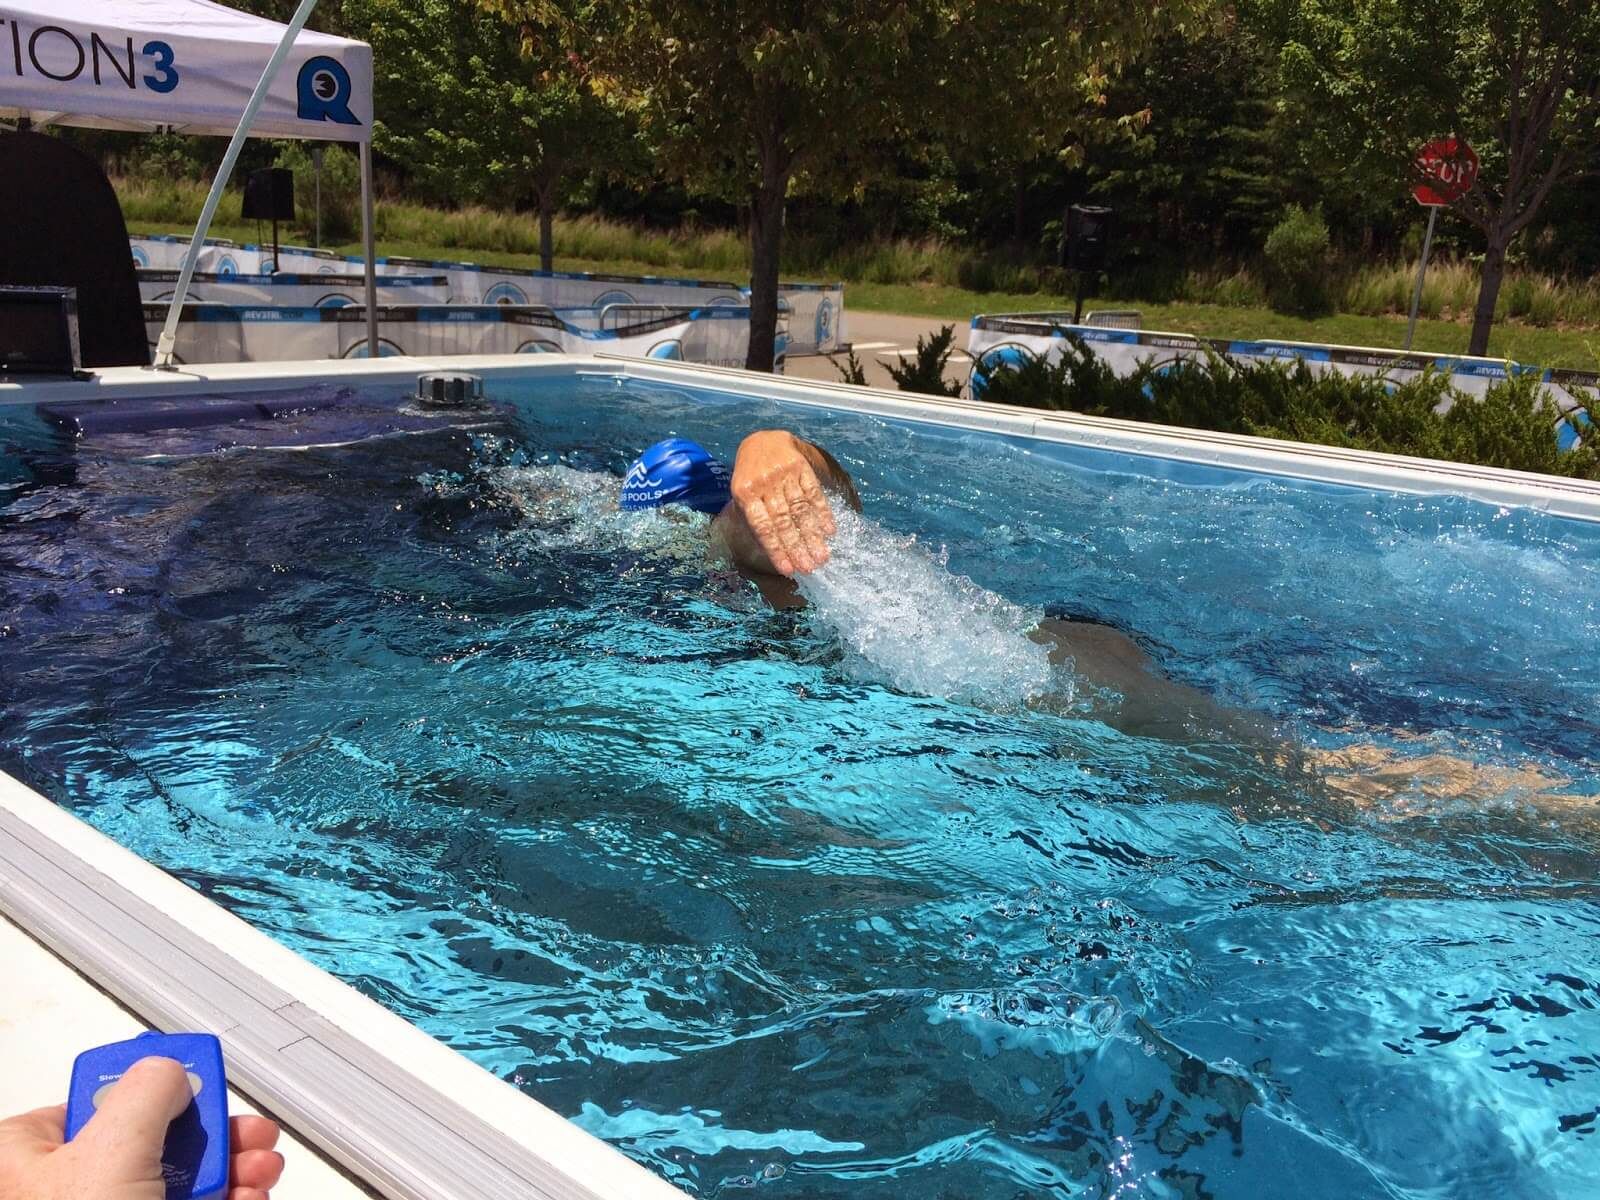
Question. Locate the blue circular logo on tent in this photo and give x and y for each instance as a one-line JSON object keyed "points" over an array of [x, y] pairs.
{"points": [[1005, 355], [671, 348], [325, 269], [538, 346], [727, 302], [824, 321], [140, 258], [324, 92], [505, 293], [335, 300], [615, 296], [227, 266]]}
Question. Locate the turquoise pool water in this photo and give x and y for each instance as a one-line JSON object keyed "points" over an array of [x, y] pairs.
{"points": [[802, 905]]}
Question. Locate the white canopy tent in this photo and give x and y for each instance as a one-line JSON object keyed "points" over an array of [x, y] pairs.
{"points": [[189, 66]]}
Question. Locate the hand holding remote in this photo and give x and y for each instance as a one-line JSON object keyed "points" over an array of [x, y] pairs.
{"points": [[117, 1154]]}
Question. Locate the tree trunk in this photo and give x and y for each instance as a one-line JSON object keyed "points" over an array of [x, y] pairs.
{"points": [[547, 241], [1019, 211], [1494, 271], [766, 237]]}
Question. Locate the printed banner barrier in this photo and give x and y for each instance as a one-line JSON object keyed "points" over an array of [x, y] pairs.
{"points": [[816, 316], [815, 311], [266, 333], [1015, 338], [296, 291]]}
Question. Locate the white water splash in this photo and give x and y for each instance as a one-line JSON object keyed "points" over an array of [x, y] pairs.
{"points": [[567, 508], [903, 618], [906, 620]]}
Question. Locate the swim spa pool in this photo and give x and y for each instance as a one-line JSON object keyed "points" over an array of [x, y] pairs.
{"points": [[706, 880]]}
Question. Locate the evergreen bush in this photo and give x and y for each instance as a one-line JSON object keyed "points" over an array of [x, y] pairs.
{"points": [[1296, 261], [852, 372], [924, 374], [1513, 425]]}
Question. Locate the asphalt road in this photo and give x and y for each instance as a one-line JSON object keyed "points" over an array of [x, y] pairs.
{"points": [[879, 339]]}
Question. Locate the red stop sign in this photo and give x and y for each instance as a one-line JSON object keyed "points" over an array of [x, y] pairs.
{"points": [[1449, 167]]}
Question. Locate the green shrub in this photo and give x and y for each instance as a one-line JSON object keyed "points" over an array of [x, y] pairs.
{"points": [[852, 371], [1513, 425], [165, 158], [341, 189], [1296, 261], [175, 201], [924, 374], [1079, 381]]}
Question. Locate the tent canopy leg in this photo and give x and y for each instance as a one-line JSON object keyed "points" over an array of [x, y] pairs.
{"points": [[368, 241]]}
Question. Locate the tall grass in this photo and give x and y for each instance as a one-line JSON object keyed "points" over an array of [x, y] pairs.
{"points": [[1356, 288], [1450, 291], [172, 201]]}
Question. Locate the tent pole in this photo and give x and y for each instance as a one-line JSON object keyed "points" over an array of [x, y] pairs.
{"points": [[367, 248], [169, 331]]}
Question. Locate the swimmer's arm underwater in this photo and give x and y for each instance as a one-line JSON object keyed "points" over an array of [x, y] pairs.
{"points": [[778, 523], [1123, 688]]}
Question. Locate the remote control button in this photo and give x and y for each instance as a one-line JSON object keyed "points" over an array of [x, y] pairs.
{"points": [[195, 1082], [100, 1093]]}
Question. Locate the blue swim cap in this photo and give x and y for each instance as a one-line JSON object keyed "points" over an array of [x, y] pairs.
{"points": [[676, 471]]}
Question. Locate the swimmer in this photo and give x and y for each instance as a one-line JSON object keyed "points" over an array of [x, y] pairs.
{"points": [[770, 513], [772, 517]]}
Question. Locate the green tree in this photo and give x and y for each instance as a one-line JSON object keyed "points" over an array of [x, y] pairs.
{"points": [[755, 100], [1207, 172], [1035, 81], [476, 110], [1519, 80]]}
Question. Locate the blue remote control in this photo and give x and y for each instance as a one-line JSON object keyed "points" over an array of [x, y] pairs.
{"points": [[194, 1161]]}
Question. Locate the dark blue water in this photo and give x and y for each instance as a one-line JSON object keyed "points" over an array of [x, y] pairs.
{"points": [[538, 778]]}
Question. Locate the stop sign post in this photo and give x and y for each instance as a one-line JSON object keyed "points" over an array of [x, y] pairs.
{"points": [[1449, 168]]}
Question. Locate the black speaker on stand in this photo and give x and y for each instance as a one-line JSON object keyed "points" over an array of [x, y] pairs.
{"points": [[269, 196], [1088, 230]]}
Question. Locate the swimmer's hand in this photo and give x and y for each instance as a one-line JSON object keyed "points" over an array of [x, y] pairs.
{"points": [[779, 520]]}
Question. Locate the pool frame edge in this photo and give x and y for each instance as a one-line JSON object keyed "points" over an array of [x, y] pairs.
{"points": [[409, 1117], [1573, 498], [1558, 495]]}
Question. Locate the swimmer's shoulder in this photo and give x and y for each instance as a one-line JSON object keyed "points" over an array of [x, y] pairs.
{"points": [[1090, 642]]}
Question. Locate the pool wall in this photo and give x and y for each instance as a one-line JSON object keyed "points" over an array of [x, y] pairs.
{"points": [[401, 1111], [1578, 499]]}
